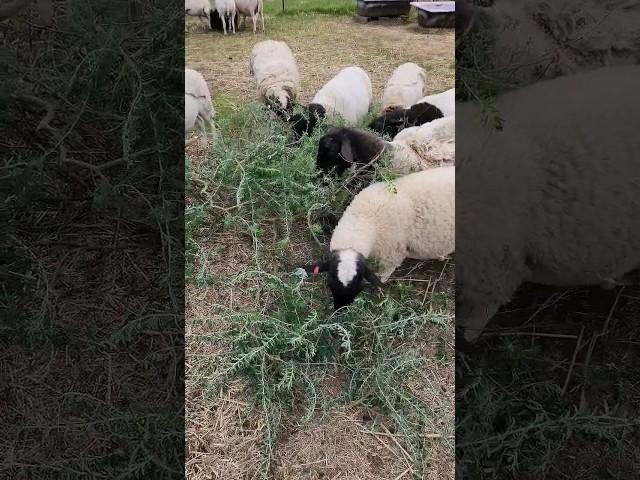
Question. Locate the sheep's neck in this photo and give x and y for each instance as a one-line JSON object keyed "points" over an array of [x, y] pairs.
{"points": [[355, 233]]}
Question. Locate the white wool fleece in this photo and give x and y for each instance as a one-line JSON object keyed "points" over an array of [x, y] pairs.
{"points": [[428, 145], [553, 198], [348, 95], [406, 85], [416, 221], [274, 67]]}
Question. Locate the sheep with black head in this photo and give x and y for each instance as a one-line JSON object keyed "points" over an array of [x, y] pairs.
{"points": [[394, 121], [413, 149], [413, 219]]}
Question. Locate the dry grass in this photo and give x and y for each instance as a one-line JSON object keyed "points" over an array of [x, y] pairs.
{"points": [[225, 428]]}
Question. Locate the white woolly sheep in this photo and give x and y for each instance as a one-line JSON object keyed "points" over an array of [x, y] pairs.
{"points": [[200, 9], [274, 67], [227, 11], [554, 197], [443, 101], [347, 95], [253, 8], [198, 109], [415, 218], [406, 85], [415, 148]]}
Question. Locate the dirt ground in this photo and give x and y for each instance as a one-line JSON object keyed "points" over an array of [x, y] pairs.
{"points": [[225, 428]]}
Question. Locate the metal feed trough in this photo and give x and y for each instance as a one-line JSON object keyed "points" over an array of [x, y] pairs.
{"points": [[372, 9], [436, 14]]}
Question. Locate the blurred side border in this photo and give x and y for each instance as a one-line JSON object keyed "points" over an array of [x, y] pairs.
{"points": [[92, 240]]}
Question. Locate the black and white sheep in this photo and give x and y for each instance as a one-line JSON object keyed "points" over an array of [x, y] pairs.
{"points": [[413, 219], [347, 95], [274, 68], [198, 109], [415, 148], [554, 197], [200, 9], [426, 109]]}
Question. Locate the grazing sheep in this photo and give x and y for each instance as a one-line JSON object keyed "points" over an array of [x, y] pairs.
{"points": [[347, 95], [415, 148], [413, 219], [253, 8], [426, 109], [198, 110], [274, 67], [396, 120], [200, 9], [227, 11], [406, 85], [554, 197]]}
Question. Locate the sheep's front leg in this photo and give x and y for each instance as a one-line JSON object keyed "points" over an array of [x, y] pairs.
{"points": [[487, 279], [233, 22], [388, 266], [474, 318], [254, 19], [223, 17], [386, 273]]}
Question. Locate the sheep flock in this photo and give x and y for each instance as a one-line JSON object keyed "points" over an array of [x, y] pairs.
{"points": [[386, 222]]}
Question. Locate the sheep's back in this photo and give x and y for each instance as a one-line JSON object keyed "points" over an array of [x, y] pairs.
{"points": [[273, 59], [195, 84], [405, 87], [348, 94]]}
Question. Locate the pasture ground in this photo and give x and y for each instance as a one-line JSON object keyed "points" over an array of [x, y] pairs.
{"points": [[274, 383]]}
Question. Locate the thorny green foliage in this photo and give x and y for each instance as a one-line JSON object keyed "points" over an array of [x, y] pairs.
{"points": [[91, 242], [251, 180]]}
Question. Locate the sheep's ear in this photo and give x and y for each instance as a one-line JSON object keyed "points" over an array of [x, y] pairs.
{"points": [[371, 277], [345, 150]]}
